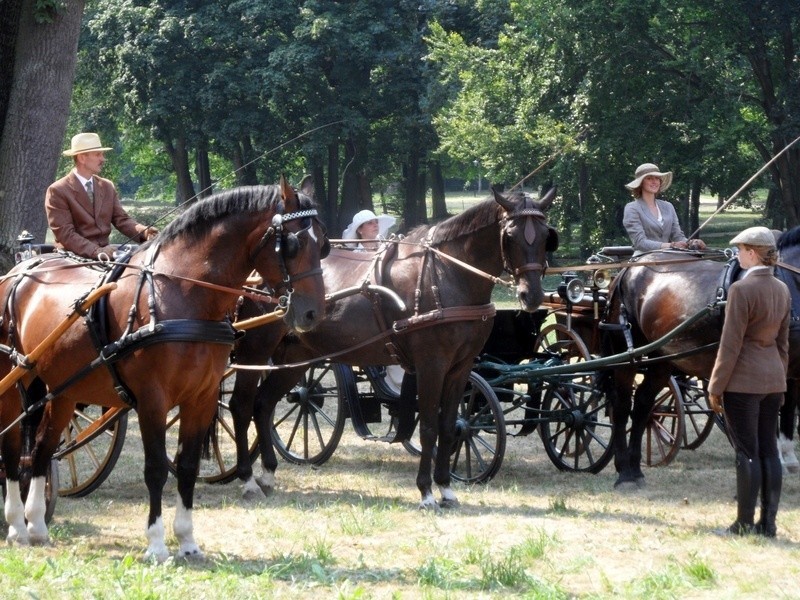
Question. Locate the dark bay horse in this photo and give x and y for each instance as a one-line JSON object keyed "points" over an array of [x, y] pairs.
{"points": [[502, 233], [164, 335], [654, 300]]}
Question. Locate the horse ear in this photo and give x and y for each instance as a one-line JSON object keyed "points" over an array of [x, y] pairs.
{"points": [[287, 191], [547, 200], [502, 200], [307, 185]]}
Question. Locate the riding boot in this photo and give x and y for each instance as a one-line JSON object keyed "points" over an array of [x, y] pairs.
{"points": [[748, 484], [772, 480]]}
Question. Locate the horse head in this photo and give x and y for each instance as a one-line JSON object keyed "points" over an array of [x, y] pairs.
{"points": [[300, 243], [526, 238]]}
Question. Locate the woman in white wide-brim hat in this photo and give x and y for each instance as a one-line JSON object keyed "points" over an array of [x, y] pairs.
{"points": [[651, 223], [366, 225]]}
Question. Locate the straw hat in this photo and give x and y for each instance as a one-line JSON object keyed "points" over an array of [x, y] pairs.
{"points": [[646, 169], [755, 236], [85, 142], [361, 217]]}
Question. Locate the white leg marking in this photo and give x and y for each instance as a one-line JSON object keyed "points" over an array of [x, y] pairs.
{"points": [[183, 529], [251, 491], [34, 511], [449, 499], [266, 481], [428, 503], [156, 548], [15, 515]]}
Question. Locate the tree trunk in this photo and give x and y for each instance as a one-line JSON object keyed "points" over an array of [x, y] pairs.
{"points": [[36, 119], [438, 202], [10, 11], [694, 205], [179, 156], [331, 200], [203, 169]]}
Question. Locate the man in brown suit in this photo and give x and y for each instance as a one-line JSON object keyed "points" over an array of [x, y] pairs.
{"points": [[82, 206], [749, 378]]}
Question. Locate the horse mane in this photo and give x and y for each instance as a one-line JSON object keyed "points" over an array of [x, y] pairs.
{"points": [[473, 219], [198, 219], [789, 239]]}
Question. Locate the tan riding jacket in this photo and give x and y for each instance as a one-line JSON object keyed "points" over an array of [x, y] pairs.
{"points": [[754, 348]]}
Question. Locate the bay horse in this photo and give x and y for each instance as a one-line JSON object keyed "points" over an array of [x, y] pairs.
{"points": [[160, 339], [653, 300], [505, 232]]}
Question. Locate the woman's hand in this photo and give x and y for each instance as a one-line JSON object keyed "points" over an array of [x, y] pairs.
{"points": [[696, 244], [715, 402]]}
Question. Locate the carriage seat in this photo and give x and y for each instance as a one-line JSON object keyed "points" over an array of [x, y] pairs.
{"points": [[618, 252]]}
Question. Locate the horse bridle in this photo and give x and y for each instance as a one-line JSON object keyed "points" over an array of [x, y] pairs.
{"points": [[528, 213], [287, 246]]}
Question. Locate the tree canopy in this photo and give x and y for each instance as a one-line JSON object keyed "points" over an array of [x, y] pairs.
{"points": [[373, 95]]}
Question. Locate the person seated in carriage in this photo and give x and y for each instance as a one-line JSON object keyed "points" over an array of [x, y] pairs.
{"points": [[370, 229], [82, 206], [652, 223], [366, 225]]}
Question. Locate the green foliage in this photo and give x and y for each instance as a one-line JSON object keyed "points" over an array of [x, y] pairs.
{"points": [[46, 11]]}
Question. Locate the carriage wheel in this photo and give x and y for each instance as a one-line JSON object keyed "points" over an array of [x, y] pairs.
{"points": [[308, 422], [578, 433], [480, 434], [665, 427], [562, 341], [219, 464], [89, 449], [697, 415]]}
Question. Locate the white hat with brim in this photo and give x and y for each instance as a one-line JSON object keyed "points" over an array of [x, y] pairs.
{"points": [[755, 236], [361, 217], [85, 142], [648, 169]]}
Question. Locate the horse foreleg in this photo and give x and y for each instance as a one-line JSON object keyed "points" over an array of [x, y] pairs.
{"points": [[241, 407], [427, 439], [448, 415], [187, 464], [621, 401], [155, 476], [35, 509], [10, 447]]}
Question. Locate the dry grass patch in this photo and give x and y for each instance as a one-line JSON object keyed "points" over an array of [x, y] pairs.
{"points": [[351, 529]]}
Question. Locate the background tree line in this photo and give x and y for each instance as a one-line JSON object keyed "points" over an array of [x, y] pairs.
{"points": [[374, 95]]}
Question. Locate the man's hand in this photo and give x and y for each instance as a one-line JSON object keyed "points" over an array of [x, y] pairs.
{"points": [[715, 402], [150, 233], [107, 251]]}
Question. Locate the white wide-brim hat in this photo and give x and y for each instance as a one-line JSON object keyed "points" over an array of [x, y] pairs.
{"points": [[755, 236], [85, 142], [647, 169], [361, 217]]}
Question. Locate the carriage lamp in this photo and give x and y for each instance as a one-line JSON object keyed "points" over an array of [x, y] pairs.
{"points": [[25, 243], [570, 288], [601, 279]]}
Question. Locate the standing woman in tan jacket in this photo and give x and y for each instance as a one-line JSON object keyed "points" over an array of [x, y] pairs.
{"points": [[749, 378]]}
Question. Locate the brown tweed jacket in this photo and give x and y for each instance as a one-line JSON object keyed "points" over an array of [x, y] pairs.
{"points": [[754, 348], [82, 227]]}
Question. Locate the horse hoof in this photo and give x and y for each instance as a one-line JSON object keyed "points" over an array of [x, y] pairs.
{"points": [[193, 554], [625, 485], [253, 495], [429, 503], [14, 537], [266, 489], [448, 503]]}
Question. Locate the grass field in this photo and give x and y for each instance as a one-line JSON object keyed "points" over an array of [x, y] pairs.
{"points": [[351, 529]]}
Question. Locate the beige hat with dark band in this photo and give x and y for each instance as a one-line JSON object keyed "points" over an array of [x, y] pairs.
{"points": [[755, 236], [85, 142], [646, 169]]}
